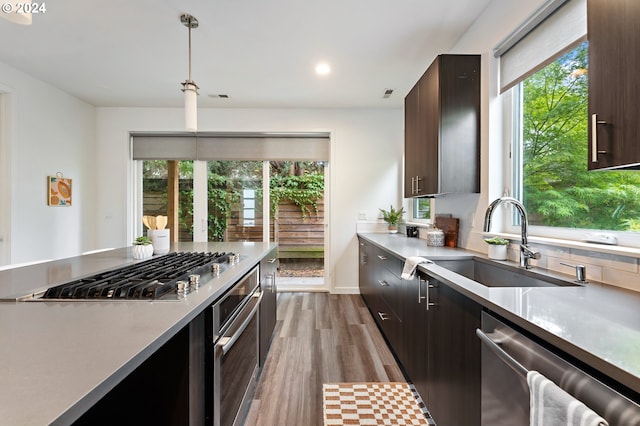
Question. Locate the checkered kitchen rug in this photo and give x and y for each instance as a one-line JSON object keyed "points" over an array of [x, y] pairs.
{"points": [[373, 404]]}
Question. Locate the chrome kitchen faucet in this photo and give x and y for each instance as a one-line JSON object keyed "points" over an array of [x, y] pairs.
{"points": [[526, 253]]}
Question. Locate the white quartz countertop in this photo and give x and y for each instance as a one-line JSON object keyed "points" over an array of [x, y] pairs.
{"points": [[57, 359], [598, 324]]}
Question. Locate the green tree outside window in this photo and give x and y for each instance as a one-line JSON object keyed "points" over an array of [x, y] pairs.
{"points": [[558, 190]]}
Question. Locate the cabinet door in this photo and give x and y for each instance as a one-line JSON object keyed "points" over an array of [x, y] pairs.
{"points": [[268, 306], [459, 126], [427, 152], [411, 140], [365, 273], [453, 353], [614, 93], [415, 325]]}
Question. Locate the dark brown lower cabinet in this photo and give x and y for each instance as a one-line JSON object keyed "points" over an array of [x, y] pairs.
{"points": [[453, 356], [432, 335], [416, 334], [442, 351], [380, 287]]}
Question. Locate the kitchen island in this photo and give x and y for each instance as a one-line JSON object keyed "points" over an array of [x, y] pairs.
{"points": [[58, 359], [597, 324]]}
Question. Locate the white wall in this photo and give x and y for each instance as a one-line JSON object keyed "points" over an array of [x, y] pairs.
{"points": [[496, 22], [365, 166], [46, 131]]}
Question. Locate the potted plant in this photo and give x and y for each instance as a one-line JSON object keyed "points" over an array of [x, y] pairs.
{"points": [[497, 248], [142, 248], [392, 217]]}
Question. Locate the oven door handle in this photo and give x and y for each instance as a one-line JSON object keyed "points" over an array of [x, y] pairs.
{"points": [[224, 344]]}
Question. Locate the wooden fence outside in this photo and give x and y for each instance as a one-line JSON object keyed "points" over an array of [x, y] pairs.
{"points": [[298, 237]]}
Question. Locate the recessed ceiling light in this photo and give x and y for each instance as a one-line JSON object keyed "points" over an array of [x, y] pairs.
{"points": [[323, 68]]}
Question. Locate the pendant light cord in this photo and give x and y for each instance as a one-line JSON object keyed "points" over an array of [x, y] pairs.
{"points": [[189, 25]]}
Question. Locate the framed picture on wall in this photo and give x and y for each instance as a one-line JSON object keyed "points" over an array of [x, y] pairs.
{"points": [[59, 191]]}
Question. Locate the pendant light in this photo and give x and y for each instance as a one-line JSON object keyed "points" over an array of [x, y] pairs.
{"points": [[189, 86]]}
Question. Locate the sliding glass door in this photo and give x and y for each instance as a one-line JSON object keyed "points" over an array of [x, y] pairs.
{"points": [[281, 201], [298, 221], [167, 190], [234, 201]]}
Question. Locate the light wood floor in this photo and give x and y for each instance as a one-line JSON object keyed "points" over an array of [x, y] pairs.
{"points": [[319, 338]]}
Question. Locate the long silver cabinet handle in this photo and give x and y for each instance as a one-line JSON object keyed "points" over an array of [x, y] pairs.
{"points": [[420, 296], [382, 257], [383, 283], [429, 304], [418, 179], [594, 138]]}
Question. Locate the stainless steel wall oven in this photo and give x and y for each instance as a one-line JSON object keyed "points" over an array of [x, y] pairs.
{"points": [[232, 352]]}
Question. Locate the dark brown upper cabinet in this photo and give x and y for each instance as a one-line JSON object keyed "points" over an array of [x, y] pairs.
{"points": [[614, 92], [442, 129]]}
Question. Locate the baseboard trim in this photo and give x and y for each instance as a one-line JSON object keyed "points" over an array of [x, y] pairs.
{"points": [[346, 290]]}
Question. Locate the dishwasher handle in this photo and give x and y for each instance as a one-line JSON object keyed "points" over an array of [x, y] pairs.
{"points": [[504, 356]]}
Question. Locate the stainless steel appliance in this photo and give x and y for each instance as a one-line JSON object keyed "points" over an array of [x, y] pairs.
{"points": [[161, 278], [508, 355], [232, 352]]}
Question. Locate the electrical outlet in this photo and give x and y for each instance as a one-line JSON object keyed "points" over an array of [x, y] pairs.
{"points": [[362, 215]]}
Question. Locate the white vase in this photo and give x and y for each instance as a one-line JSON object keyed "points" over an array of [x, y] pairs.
{"points": [[498, 251], [140, 251], [160, 240]]}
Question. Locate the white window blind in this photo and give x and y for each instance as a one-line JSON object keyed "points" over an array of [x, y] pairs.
{"points": [[555, 28], [208, 146]]}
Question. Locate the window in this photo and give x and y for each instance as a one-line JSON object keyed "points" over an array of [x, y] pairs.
{"points": [[420, 209], [544, 84], [555, 186]]}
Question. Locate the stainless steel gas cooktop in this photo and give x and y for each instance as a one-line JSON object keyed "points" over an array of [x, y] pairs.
{"points": [[168, 277]]}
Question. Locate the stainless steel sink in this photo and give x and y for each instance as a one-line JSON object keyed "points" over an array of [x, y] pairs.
{"points": [[503, 274], [494, 274]]}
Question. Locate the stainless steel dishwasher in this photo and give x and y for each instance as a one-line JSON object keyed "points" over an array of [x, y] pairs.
{"points": [[508, 355]]}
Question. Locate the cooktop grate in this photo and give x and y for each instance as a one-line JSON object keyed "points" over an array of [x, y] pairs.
{"points": [[146, 280]]}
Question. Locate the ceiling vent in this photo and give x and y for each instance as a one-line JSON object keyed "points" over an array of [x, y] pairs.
{"points": [[387, 93]]}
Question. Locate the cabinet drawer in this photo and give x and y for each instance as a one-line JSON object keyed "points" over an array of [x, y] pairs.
{"points": [[391, 290], [389, 262], [390, 325]]}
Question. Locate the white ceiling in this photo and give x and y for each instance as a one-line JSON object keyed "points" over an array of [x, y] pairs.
{"points": [[262, 53]]}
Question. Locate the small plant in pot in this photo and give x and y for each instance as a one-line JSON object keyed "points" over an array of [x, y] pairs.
{"points": [[392, 217], [497, 248], [142, 248]]}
